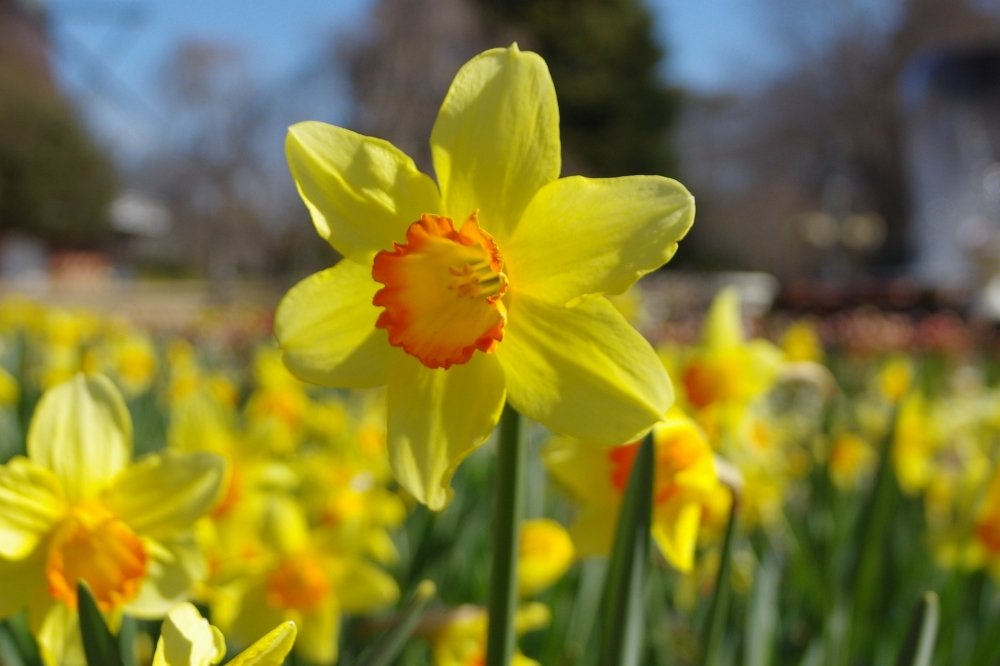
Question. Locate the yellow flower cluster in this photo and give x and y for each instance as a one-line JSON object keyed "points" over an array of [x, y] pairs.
{"points": [[271, 501]]}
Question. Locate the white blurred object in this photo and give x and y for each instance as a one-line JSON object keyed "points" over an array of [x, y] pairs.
{"points": [[137, 214]]}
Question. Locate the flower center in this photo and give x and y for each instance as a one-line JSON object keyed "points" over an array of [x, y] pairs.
{"points": [[91, 544], [443, 291], [298, 583]]}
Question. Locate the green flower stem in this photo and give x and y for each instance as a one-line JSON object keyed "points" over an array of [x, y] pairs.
{"points": [[507, 514], [718, 611], [624, 598]]}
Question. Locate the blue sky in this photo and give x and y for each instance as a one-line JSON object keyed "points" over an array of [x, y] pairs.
{"points": [[714, 45]]}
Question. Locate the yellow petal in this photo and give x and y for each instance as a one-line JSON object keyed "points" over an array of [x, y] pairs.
{"points": [[362, 192], [594, 528], [30, 504], [251, 618], [59, 639], [284, 526], [270, 650], [362, 588], [174, 568], [165, 493], [319, 634], [326, 328], [582, 371], [82, 431], [675, 531], [581, 468], [438, 417], [187, 639], [723, 327], [584, 236], [23, 583], [495, 142]]}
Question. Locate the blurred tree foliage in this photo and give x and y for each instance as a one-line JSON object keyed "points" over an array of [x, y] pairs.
{"points": [[616, 112], [55, 183]]}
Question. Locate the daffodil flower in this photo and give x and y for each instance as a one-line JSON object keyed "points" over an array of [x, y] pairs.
{"points": [[726, 371], [545, 553], [461, 639], [301, 581], [485, 287], [76, 509], [187, 639], [685, 480]]}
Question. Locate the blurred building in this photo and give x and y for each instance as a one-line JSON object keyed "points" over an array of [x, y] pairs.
{"points": [[951, 100]]}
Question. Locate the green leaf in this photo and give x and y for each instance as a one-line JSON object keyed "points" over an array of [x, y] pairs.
{"points": [[99, 645], [127, 635], [580, 647], [507, 513], [918, 647], [987, 648], [21, 639], [866, 576], [718, 610], [392, 644], [624, 603], [763, 617]]}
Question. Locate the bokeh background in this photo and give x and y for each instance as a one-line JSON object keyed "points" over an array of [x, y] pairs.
{"points": [[840, 152]]}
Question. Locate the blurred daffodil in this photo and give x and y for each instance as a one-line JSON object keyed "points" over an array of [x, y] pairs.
{"points": [[726, 370], [546, 551], [302, 581], [852, 458], [801, 342], [685, 479], [485, 287], [461, 640], [75, 509], [187, 639]]}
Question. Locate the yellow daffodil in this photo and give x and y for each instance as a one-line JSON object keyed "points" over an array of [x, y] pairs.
{"points": [[133, 361], [302, 581], [487, 286], [187, 639], [461, 640], [913, 445], [75, 509], [546, 551], [685, 479], [726, 370], [801, 343], [895, 378], [277, 410], [852, 458]]}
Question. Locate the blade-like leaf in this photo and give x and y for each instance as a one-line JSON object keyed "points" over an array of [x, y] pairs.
{"points": [[624, 602], [918, 647], [718, 611], [127, 635], [763, 618], [99, 645], [391, 645], [865, 580], [21, 639], [580, 647]]}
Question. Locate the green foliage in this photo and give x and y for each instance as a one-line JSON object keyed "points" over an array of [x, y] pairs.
{"points": [[615, 111], [55, 183]]}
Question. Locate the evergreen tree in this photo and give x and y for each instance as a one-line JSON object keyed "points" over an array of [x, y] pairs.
{"points": [[55, 183], [615, 110]]}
